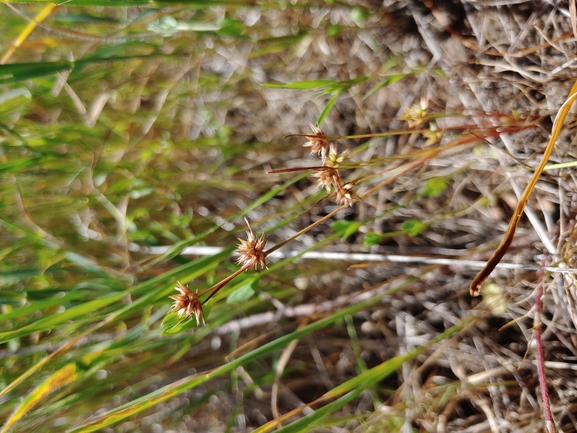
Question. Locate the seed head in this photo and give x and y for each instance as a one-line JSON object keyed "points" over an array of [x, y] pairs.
{"points": [[318, 142], [334, 159], [346, 195], [328, 178], [251, 250], [433, 135], [417, 114], [187, 304]]}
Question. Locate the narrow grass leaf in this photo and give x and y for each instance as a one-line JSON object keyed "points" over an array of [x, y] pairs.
{"points": [[301, 85], [392, 79], [169, 391], [166, 280], [278, 44], [26, 311], [87, 309], [352, 388], [84, 18], [60, 378], [328, 108], [15, 72], [52, 321], [39, 239]]}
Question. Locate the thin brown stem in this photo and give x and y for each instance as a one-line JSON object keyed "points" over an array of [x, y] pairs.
{"points": [[537, 330], [214, 289]]}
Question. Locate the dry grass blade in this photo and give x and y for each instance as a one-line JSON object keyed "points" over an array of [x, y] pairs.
{"points": [[45, 13], [505, 243]]}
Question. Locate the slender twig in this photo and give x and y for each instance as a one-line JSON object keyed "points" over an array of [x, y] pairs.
{"points": [[537, 324], [214, 289]]}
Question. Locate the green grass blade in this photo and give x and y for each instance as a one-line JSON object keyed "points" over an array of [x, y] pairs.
{"points": [[149, 291], [15, 72], [51, 322], [184, 384], [301, 85], [62, 377], [352, 388], [328, 108]]}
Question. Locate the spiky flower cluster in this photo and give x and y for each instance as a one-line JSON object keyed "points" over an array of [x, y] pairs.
{"points": [[335, 159], [187, 304], [328, 175], [329, 178], [251, 250], [345, 195], [318, 142], [417, 115]]}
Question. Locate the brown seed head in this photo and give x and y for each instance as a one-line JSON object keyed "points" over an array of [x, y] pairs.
{"points": [[318, 142], [187, 304], [346, 195], [251, 250], [328, 178]]}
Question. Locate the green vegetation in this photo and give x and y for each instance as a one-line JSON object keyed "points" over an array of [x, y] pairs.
{"points": [[137, 136]]}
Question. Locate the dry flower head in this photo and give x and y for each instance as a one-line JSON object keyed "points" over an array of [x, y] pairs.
{"points": [[330, 178], [251, 250], [417, 114], [334, 159], [318, 142], [433, 135], [346, 195], [187, 304]]}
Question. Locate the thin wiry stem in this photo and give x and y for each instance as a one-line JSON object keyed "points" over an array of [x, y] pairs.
{"points": [[549, 423], [214, 289]]}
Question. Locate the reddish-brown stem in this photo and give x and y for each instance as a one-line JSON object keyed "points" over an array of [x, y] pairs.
{"points": [[214, 289], [293, 169], [484, 130], [537, 324], [409, 166]]}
